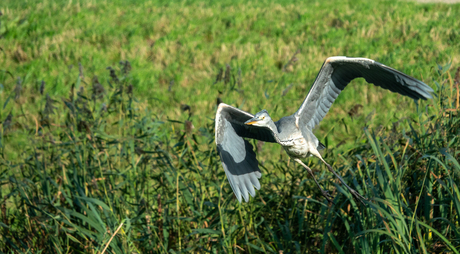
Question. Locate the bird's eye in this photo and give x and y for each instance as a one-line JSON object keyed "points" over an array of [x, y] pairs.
{"points": [[262, 117]]}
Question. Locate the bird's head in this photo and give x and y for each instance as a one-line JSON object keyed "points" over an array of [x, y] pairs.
{"points": [[261, 119]]}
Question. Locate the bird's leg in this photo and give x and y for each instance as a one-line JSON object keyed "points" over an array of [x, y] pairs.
{"points": [[325, 193], [355, 194]]}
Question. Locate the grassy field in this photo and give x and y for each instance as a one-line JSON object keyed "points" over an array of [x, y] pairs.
{"points": [[107, 127]]}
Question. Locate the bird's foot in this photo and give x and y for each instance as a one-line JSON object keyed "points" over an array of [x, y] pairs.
{"points": [[327, 196], [358, 196]]}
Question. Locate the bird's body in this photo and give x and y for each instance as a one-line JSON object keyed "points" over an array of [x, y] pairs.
{"points": [[291, 139], [295, 132], [299, 147]]}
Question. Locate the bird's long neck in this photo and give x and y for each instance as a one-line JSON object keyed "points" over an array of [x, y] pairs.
{"points": [[271, 125]]}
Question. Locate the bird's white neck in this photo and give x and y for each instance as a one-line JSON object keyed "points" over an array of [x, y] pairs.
{"points": [[272, 127]]}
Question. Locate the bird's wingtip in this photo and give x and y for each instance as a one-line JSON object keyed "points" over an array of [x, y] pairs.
{"points": [[238, 198]]}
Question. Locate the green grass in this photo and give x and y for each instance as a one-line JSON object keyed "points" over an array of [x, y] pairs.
{"points": [[109, 159]]}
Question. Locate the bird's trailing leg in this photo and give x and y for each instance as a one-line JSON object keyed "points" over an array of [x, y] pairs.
{"points": [[325, 193], [355, 194]]}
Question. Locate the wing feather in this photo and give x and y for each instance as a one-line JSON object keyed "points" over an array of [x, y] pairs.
{"points": [[337, 72], [236, 154]]}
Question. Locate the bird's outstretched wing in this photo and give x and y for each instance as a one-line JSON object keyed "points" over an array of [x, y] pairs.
{"points": [[338, 71], [238, 158]]}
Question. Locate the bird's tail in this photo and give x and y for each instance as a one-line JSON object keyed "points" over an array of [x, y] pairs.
{"points": [[321, 146]]}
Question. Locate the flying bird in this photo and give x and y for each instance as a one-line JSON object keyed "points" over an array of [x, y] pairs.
{"points": [[295, 132]]}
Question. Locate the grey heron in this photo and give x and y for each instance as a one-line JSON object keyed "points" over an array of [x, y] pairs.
{"points": [[295, 132]]}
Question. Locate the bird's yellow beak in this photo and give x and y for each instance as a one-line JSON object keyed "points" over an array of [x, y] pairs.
{"points": [[251, 123]]}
